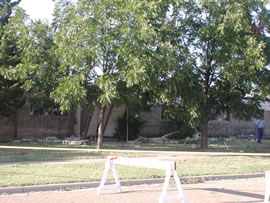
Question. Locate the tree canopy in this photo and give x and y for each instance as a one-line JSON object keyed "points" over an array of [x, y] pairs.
{"points": [[10, 94], [205, 56], [224, 56]]}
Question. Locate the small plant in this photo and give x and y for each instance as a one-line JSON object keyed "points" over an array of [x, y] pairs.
{"points": [[133, 124], [182, 121], [185, 131]]}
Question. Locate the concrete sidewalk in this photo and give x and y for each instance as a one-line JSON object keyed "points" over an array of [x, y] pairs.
{"points": [[223, 191]]}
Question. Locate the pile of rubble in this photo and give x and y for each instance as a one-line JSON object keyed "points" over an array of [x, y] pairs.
{"points": [[195, 139], [165, 139], [72, 140], [158, 140]]}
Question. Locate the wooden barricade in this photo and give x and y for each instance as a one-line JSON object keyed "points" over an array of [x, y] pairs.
{"points": [[169, 166]]}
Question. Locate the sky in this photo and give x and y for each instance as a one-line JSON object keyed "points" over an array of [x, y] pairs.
{"points": [[43, 9], [38, 9]]}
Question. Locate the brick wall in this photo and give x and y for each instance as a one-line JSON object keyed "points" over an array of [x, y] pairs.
{"points": [[38, 126], [41, 126], [237, 127], [155, 126]]}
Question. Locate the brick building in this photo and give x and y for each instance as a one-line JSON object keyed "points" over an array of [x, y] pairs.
{"points": [[78, 123]]}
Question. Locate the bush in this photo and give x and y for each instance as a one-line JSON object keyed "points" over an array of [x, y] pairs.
{"points": [[135, 124], [182, 121], [185, 131]]}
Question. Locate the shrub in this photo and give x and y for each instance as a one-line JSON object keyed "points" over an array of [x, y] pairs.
{"points": [[185, 131], [135, 124]]}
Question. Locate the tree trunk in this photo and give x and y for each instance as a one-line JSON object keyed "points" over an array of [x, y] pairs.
{"points": [[107, 119], [100, 127], [15, 124], [87, 127], [204, 136]]}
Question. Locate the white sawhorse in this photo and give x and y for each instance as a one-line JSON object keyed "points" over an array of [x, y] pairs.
{"points": [[169, 166], [267, 190]]}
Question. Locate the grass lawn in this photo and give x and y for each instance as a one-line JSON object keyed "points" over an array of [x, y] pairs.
{"points": [[218, 146], [19, 155], [187, 165], [27, 155], [35, 174], [240, 146]]}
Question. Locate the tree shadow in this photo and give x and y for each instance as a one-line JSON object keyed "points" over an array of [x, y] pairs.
{"points": [[234, 192]]}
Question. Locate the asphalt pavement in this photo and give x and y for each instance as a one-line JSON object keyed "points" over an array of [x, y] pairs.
{"points": [[249, 190]]}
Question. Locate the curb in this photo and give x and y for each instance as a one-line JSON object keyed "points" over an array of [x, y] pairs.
{"points": [[74, 186]]}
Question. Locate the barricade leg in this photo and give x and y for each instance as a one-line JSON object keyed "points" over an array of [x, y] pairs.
{"points": [[104, 177], [267, 189], [116, 178], [164, 196], [165, 186], [179, 186], [109, 164]]}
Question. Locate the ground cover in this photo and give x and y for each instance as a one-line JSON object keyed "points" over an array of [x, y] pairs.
{"points": [[240, 146], [21, 155], [187, 165], [36, 174], [217, 146], [30, 155]]}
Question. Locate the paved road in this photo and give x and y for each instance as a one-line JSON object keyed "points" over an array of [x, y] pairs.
{"points": [[225, 191]]}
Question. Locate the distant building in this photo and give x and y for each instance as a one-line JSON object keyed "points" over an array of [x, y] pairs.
{"points": [[79, 122]]}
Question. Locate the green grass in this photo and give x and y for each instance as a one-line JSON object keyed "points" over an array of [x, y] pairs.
{"points": [[205, 165], [19, 155], [218, 146], [26, 155], [187, 165], [239, 145], [36, 174]]}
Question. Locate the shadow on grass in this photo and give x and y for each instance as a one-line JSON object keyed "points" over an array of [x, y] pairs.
{"points": [[21, 155]]}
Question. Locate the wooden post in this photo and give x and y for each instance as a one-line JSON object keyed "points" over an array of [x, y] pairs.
{"points": [[109, 164], [267, 189]]}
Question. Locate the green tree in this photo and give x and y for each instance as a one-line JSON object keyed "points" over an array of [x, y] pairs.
{"points": [[39, 66], [102, 46], [6, 7], [95, 43], [11, 95], [223, 56], [86, 39], [30, 64]]}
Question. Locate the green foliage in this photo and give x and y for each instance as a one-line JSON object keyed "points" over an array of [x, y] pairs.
{"points": [[6, 7], [185, 131], [134, 124], [11, 93], [110, 52], [219, 55], [36, 65], [182, 121], [11, 97]]}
